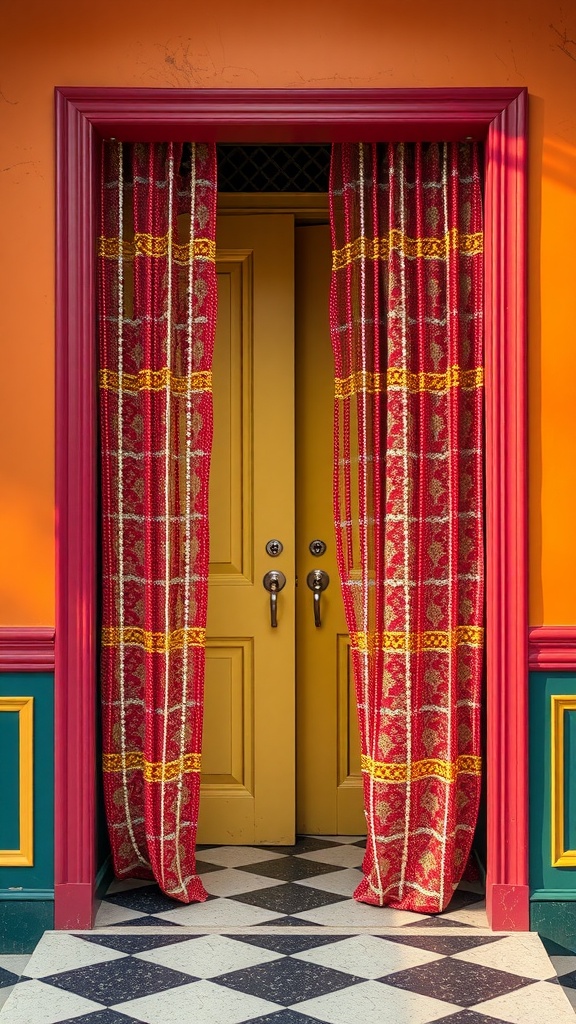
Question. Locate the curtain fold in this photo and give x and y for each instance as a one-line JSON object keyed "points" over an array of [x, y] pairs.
{"points": [[157, 323], [406, 326]]}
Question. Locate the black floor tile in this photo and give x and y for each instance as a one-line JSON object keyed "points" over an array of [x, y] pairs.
{"points": [[285, 1017], [290, 922], [470, 1017], [566, 980], [287, 981], [288, 944], [446, 944], [119, 980], [456, 981], [148, 900], [136, 943], [102, 1017], [148, 921], [437, 921], [289, 898], [463, 898], [303, 844], [203, 867], [290, 869], [7, 978]]}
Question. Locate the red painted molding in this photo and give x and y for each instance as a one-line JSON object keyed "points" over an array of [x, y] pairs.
{"points": [[509, 908], [498, 116], [26, 649], [552, 648], [505, 308]]}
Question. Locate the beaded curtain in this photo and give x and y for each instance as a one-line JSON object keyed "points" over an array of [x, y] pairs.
{"points": [[406, 326], [157, 324]]}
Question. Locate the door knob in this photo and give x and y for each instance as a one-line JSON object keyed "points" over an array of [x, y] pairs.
{"points": [[317, 580], [274, 581]]}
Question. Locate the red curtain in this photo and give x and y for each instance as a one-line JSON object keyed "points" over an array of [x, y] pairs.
{"points": [[406, 325], [157, 325]]}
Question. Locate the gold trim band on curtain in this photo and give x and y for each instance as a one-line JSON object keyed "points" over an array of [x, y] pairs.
{"points": [[153, 771], [153, 642], [157, 246], [156, 380], [465, 764], [364, 248], [367, 382], [559, 703], [429, 640]]}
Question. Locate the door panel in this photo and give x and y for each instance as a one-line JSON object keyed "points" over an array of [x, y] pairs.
{"points": [[329, 782], [248, 787]]}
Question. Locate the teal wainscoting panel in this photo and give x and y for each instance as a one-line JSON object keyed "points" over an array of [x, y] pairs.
{"points": [[553, 806], [27, 891], [9, 761]]}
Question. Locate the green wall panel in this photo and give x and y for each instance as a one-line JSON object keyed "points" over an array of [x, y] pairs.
{"points": [[543, 876], [9, 761], [39, 685]]}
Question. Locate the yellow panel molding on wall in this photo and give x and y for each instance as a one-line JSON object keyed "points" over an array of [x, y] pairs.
{"points": [[24, 708], [560, 703]]}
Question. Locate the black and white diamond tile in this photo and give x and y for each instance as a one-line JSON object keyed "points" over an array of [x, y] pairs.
{"points": [[299, 976], [311, 883], [281, 940]]}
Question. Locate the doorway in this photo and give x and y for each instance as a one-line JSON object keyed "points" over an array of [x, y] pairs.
{"points": [[281, 749], [496, 115]]}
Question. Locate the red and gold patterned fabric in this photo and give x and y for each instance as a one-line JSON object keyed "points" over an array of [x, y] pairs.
{"points": [[406, 325], [157, 325]]}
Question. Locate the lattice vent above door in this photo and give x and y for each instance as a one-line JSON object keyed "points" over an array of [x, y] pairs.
{"points": [[273, 168]]}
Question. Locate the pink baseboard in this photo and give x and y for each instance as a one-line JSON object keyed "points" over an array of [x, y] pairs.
{"points": [[552, 648], [26, 648], [508, 907], [73, 905]]}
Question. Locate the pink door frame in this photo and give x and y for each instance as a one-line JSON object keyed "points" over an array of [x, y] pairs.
{"points": [[496, 115]]}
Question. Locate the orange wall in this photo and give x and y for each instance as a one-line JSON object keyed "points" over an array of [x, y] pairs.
{"points": [[330, 43]]}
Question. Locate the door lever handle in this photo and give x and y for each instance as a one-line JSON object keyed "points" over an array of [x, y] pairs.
{"points": [[274, 581], [317, 580]]}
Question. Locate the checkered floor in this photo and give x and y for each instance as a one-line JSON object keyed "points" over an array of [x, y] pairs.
{"points": [[281, 941]]}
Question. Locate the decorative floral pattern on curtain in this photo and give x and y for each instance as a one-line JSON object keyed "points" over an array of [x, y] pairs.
{"points": [[157, 326], [406, 325]]}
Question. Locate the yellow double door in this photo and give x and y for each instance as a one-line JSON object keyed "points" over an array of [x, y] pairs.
{"points": [[280, 749]]}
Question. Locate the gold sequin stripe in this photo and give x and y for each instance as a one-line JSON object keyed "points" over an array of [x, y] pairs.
{"points": [[427, 248], [153, 642], [365, 382], [156, 380], [465, 764], [153, 771], [428, 640], [157, 246]]}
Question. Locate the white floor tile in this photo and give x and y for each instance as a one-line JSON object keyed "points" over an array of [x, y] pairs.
{"points": [[474, 915], [540, 1003], [342, 882], [343, 856], [367, 956], [15, 962], [374, 1003], [235, 856], [226, 913], [59, 951], [199, 1003], [344, 840], [209, 956], [33, 1002], [561, 964], [110, 914], [520, 954], [4, 993], [350, 914], [230, 882]]}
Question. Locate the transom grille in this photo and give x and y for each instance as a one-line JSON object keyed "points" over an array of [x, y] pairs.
{"points": [[273, 168]]}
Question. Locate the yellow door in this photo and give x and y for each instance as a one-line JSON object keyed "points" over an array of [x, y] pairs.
{"points": [[269, 766], [248, 788], [329, 782]]}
